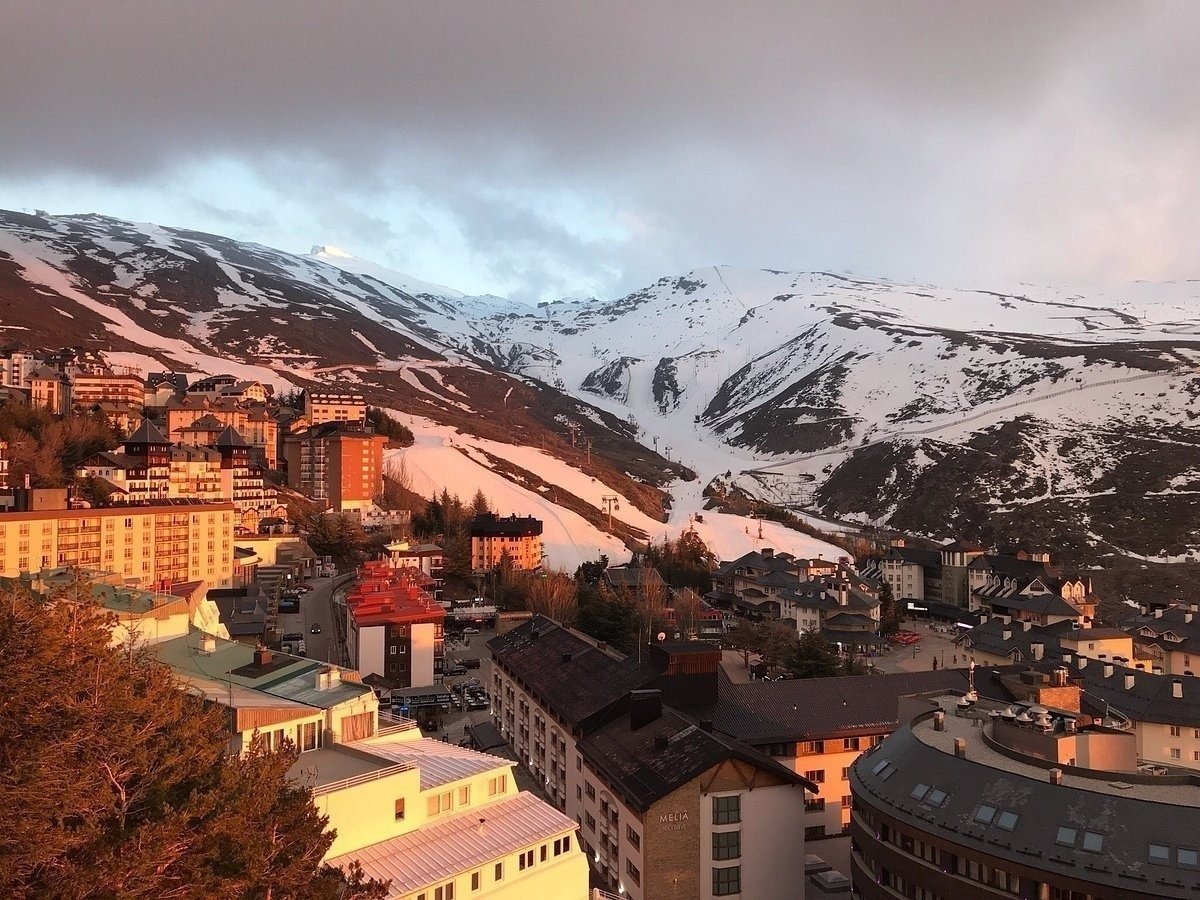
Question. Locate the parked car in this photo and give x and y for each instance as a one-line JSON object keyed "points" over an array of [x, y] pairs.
{"points": [[456, 670], [470, 629], [471, 662]]}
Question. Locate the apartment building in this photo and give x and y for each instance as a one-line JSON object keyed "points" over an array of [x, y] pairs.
{"points": [[334, 405], [970, 799], [340, 466], [667, 806], [493, 538], [92, 390], [1167, 639], [255, 422], [427, 558], [242, 481], [15, 368], [394, 627], [157, 544], [50, 389], [438, 821]]}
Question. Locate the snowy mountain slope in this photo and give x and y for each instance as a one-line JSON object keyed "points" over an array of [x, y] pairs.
{"points": [[1035, 413]]}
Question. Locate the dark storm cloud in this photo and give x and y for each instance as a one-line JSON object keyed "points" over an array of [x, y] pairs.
{"points": [[935, 140]]}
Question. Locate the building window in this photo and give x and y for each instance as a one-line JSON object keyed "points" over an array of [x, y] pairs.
{"points": [[525, 860], [497, 785], [499, 872], [727, 881], [392, 650], [727, 845], [543, 854], [589, 790], [816, 776], [850, 743], [1160, 853], [445, 892], [727, 810], [400, 809], [590, 820], [1175, 731], [813, 832], [562, 846], [633, 837], [632, 871], [812, 746], [1175, 754], [438, 803], [1093, 842], [464, 795], [475, 881], [817, 804]]}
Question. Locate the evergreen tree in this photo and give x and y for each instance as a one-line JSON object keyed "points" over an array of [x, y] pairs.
{"points": [[115, 781]]}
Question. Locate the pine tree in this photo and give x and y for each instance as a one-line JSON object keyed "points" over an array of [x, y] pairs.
{"points": [[115, 782]]}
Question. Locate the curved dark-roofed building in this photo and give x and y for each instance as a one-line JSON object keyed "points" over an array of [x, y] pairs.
{"points": [[969, 802]]}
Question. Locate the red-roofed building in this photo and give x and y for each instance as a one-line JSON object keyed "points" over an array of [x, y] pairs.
{"points": [[394, 627]]}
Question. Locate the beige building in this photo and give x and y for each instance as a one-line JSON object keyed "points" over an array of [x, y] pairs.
{"points": [[519, 538], [49, 389], [436, 820], [253, 421], [147, 544], [333, 405], [667, 806]]}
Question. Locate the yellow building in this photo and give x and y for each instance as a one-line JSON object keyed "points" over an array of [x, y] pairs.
{"points": [[439, 821], [146, 544], [493, 538]]}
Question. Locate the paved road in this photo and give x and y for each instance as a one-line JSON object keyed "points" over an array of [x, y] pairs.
{"points": [[315, 609]]}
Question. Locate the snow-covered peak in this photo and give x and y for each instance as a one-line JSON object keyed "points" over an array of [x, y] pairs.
{"points": [[335, 256]]}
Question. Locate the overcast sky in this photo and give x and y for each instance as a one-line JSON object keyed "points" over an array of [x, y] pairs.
{"points": [[552, 148]]}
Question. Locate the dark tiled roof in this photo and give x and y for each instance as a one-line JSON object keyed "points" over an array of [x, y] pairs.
{"points": [[1010, 566], [577, 689], [633, 577], [230, 438], [1037, 604], [1173, 619], [813, 708], [915, 555], [1127, 819], [490, 524], [1151, 699], [147, 433], [988, 637], [636, 763]]}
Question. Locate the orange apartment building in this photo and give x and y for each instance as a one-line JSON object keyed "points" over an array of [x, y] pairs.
{"points": [[88, 391], [493, 537], [336, 464]]}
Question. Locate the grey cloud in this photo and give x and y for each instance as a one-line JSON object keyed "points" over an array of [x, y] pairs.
{"points": [[935, 140]]}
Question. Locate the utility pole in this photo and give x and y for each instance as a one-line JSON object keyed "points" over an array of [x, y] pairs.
{"points": [[610, 502], [573, 427], [589, 451]]}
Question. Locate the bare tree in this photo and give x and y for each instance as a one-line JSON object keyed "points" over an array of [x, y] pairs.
{"points": [[553, 594]]}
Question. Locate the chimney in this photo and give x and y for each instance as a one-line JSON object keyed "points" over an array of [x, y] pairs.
{"points": [[661, 743], [644, 707], [1129, 681], [1067, 658], [1060, 677], [1056, 776], [960, 748], [1158, 670], [1108, 670], [208, 644], [1027, 624], [566, 657], [843, 594], [939, 721], [1187, 618], [1037, 648], [328, 677], [1158, 613], [1083, 662], [262, 656], [1177, 689], [1007, 634], [767, 553]]}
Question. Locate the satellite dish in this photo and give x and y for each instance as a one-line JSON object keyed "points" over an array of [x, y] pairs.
{"points": [[662, 636]]}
